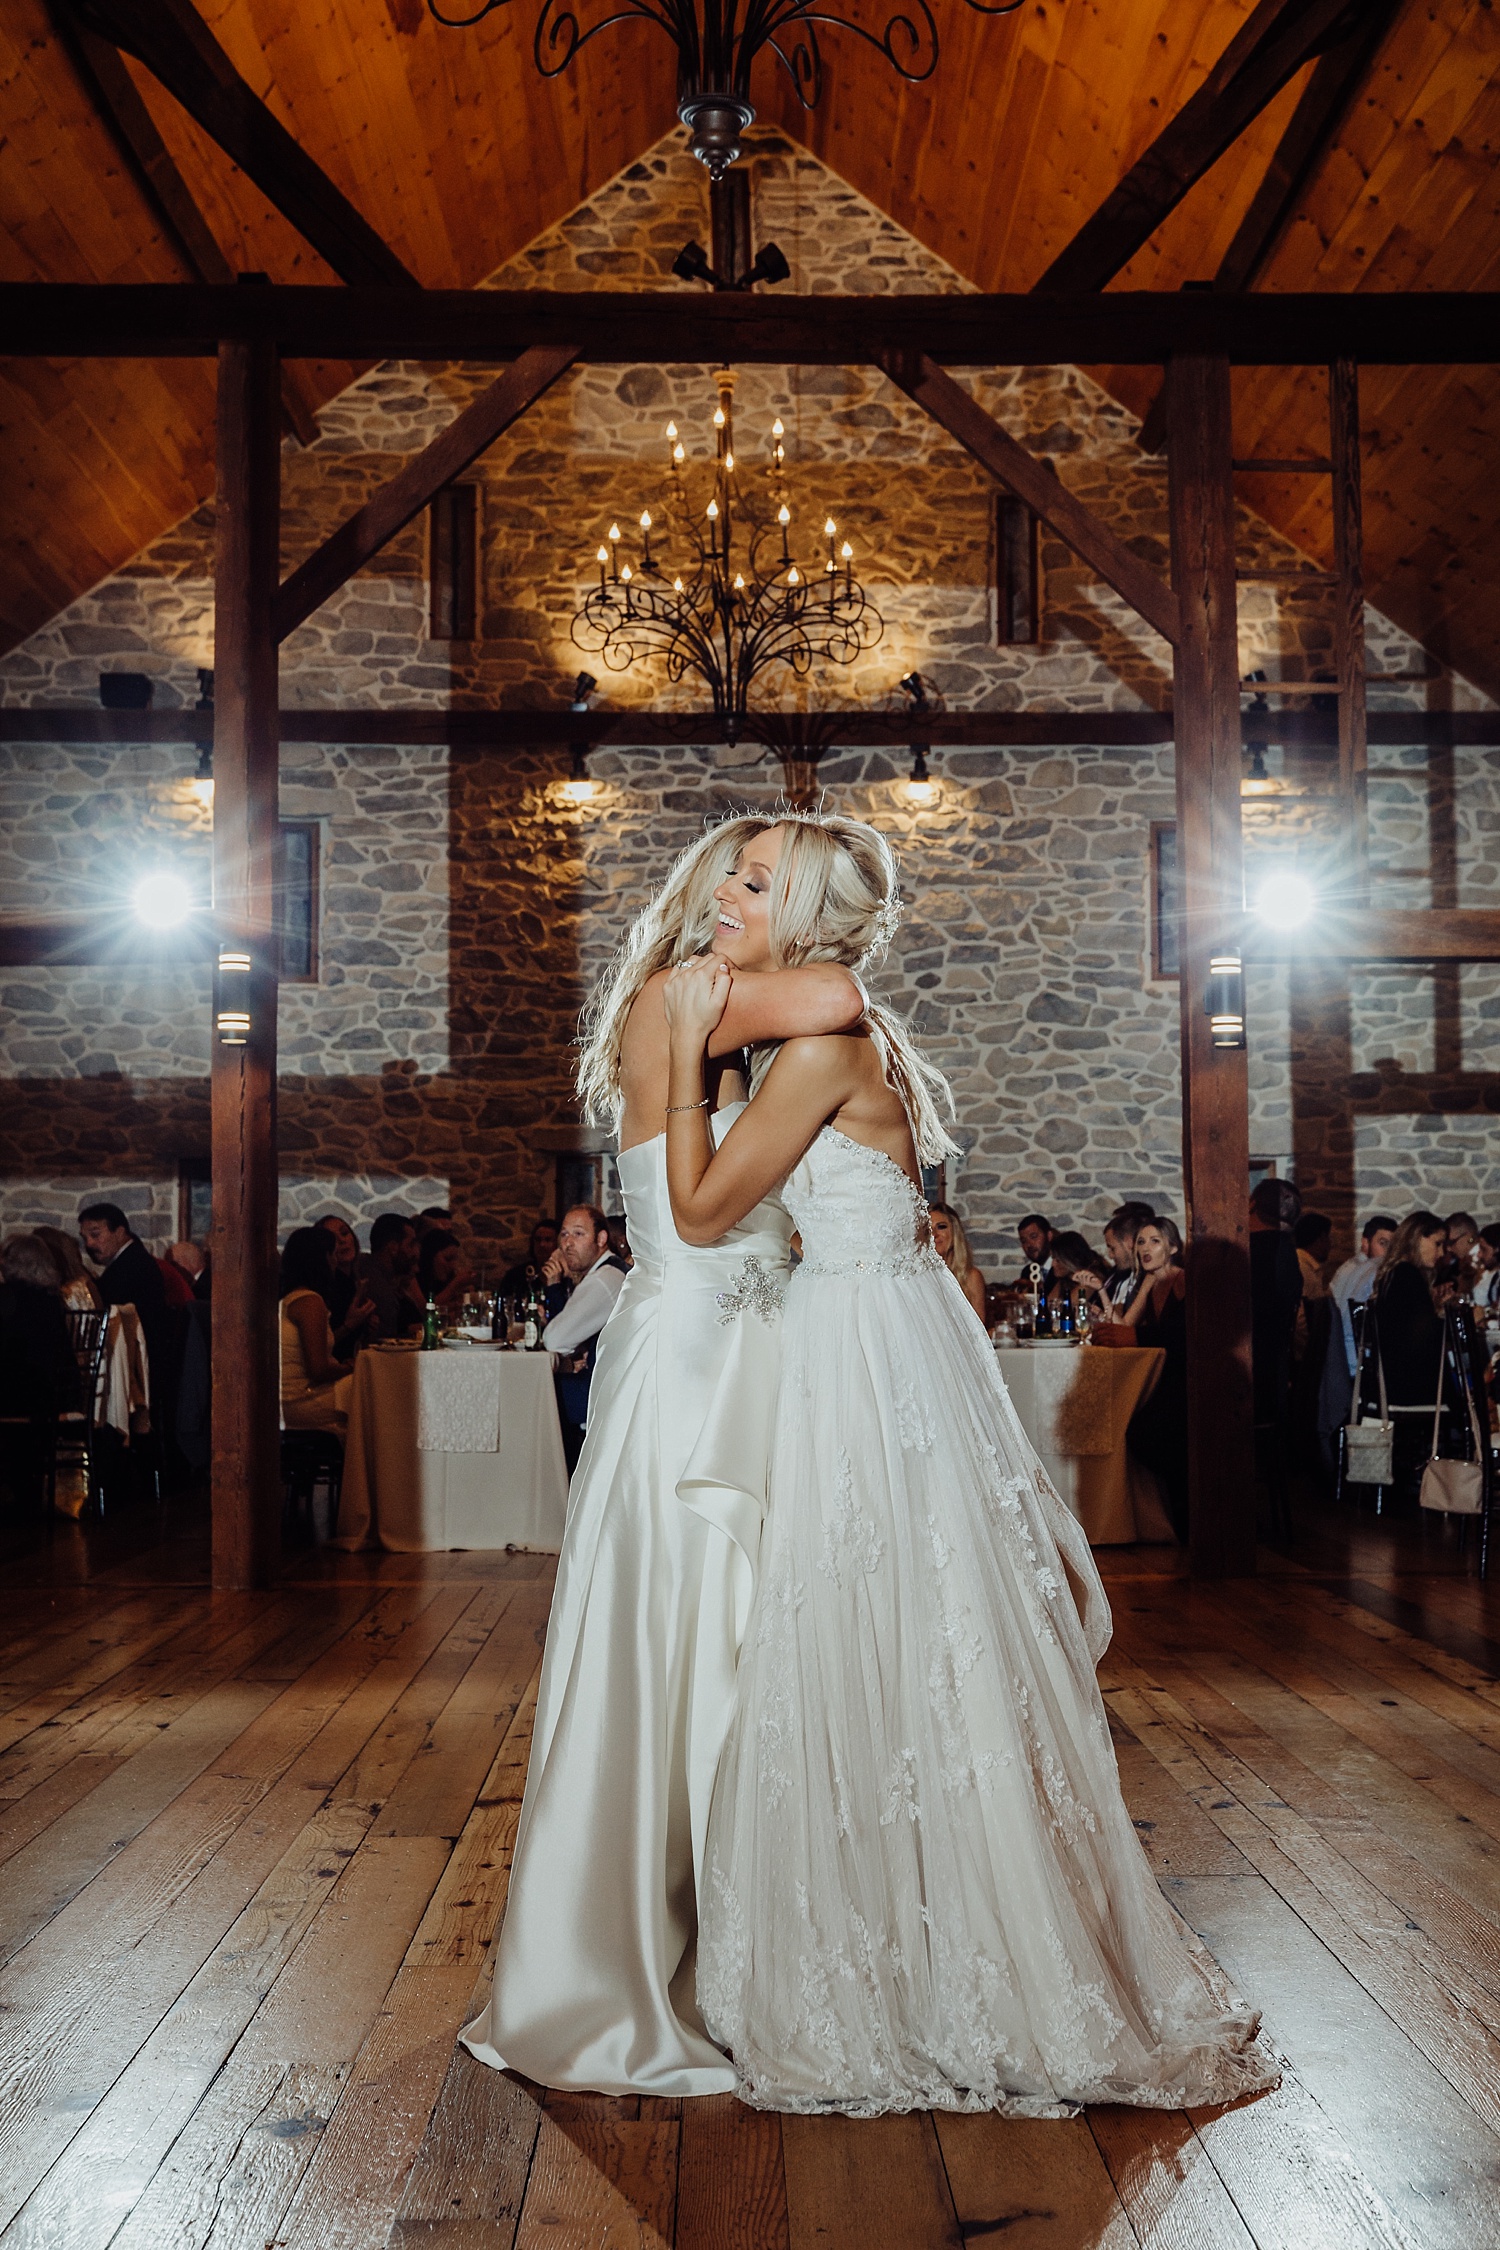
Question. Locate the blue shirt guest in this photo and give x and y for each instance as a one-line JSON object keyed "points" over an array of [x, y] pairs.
{"points": [[584, 1277]]}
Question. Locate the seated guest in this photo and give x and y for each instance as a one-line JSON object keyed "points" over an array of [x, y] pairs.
{"points": [[433, 1220], [1463, 1238], [177, 1284], [443, 1276], [1034, 1233], [1275, 1295], [1409, 1333], [314, 1385], [1312, 1238], [391, 1278], [1350, 1286], [1122, 1283], [1077, 1271], [526, 1274], [1157, 1435], [192, 1259], [1487, 1267], [129, 1275], [351, 1308], [80, 1292], [952, 1246], [584, 1278]]}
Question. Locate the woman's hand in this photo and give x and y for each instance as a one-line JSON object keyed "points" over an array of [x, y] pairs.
{"points": [[695, 996]]}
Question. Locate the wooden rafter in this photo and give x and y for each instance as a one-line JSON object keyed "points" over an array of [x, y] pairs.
{"points": [[1269, 49], [389, 510], [123, 320], [951, 406], [117, 101], [171, 39]]}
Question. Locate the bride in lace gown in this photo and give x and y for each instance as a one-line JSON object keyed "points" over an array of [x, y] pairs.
{"points": [[923, 1888], [594, 1964]]}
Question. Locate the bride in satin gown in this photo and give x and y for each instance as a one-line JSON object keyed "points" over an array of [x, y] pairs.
{"points": [[594, 1981], [923, 1887]]}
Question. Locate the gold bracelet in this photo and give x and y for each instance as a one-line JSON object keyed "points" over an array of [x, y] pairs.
{"points": [[676, 1109]]}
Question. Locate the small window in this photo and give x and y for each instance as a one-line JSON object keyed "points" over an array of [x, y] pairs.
{"points": [[1166, 899], [453, 563], [1018, 607], [195, 1200], [297, 902]]}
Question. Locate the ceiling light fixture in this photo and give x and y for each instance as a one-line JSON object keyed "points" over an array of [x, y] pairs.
{"points": [[162, 900], [1286, 900], [717, 43]]}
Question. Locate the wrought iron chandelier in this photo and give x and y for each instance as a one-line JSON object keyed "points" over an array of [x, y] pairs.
{"points": [[717, 42], [717, 588]]}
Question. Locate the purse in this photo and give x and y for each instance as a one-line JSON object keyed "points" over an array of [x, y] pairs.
{"points": [[1369, 1446], [1453, 1488]]}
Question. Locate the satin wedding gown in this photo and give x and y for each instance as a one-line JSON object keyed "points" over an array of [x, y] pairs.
{"points": [[594, 1965], [924, 1890]]}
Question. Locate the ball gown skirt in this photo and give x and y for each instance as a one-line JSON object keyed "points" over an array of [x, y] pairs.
{"points": [[924, 1889], [594, 1973]]}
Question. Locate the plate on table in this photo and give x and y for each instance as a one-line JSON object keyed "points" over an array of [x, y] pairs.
{"points": [[1050, 1343], [396, 1344]]}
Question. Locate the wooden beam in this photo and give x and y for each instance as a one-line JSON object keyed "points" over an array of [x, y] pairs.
{"points": [[95, 940], [952, 408], [389, 510], [246, 1408], [1381, 934], [184, 320], [1270, 47], [644, 728], [1349, 620], [1215, 1085], [182, 54], [130, 125]]}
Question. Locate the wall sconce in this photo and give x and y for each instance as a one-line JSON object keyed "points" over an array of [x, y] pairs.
{"points": [[1224, 1001], [580, 784], [202, 783], [232, 1004], [921, 789]]}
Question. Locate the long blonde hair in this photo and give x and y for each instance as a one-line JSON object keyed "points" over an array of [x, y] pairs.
{"points": [[960, 1258], [836, 897]]}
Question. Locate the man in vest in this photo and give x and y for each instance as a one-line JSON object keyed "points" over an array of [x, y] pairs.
{"points": [[583, 1277]]}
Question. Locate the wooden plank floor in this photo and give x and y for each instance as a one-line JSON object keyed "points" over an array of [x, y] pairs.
{"points": [[252, 1848]]}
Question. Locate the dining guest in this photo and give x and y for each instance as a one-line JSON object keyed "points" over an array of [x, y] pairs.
{"points": [[80, 1291], [128, 1274], [1350, 1286], [1123, 1280], [526, 1274], [314, 1386], [1487, 1267], [192, 1259], [1312, 1238], [1078, 1271], [176, 1285], [352, 1308], [1409, 1336], [584, 1277], [1157, 1434], [952, 1245], [444, 1276], [391, 1277], [1034, 1233], [434, 1219], [1463, 1239]]}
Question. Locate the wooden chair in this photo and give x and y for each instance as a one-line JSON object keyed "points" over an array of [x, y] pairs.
{"points": [[78, 1429]]}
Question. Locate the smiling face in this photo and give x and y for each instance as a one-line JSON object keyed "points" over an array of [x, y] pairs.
{"points": [[743, 936], [942, 1234]]}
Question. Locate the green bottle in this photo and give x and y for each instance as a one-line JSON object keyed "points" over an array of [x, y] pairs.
{"points": [[432, 1327]]}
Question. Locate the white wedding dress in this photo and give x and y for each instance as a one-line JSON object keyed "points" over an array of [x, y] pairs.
{"points": [[594, 1962], [924, 1889]]}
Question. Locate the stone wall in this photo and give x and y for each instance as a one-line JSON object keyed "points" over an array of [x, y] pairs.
{"points": [[467, 907]]}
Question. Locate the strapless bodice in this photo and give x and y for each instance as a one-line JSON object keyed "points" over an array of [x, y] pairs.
{"points": [[655, 1243], [857, 1211]]}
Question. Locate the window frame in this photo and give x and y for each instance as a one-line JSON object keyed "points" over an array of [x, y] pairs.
{"points": [[453, 575], [313, 831]]}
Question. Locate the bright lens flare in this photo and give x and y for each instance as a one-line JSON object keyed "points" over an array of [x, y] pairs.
{"points": [[1286, 901], [162, 901]]}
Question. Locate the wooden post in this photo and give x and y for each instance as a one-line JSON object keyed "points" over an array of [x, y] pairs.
{"points": [[1349, 623], [246, 1470], [1215, 1085]]}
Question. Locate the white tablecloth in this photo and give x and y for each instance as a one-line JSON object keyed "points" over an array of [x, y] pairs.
{"points": [[1075, 1407], [453, 1449]]}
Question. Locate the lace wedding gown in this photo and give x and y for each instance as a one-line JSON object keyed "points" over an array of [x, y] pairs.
{"points": [[594, 1963], [923, 1888]]}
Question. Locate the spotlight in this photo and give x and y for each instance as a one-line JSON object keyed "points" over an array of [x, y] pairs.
{"points": [[163, 900], [1286, 900], [1224, 1001], [921, 789], [583, 688], [916, 687]]}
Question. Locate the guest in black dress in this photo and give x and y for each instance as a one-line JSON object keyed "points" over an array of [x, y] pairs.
{"points": [[1158, 1313], [1409, 1336]]}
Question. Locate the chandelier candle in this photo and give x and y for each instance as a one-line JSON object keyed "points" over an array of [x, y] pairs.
{"points": [[738, 602]]}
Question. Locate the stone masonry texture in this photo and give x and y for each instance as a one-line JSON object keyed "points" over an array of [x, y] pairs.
{"points": [[467, 908]]}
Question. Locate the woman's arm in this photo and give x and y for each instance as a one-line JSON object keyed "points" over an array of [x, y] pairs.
{"points": [[787, 1004], [711, 1189], [309, 1316]]}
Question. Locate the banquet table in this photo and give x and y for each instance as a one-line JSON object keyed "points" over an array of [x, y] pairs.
{"points": [[1075, 1406], [453, 1449]]}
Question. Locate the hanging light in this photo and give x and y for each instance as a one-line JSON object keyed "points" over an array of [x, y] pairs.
{"points": [[1224, 1001]]}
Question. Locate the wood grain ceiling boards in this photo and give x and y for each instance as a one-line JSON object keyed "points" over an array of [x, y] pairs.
{"points": [[458, 155]]}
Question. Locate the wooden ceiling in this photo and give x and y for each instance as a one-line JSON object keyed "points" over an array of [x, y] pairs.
{"points": [[457, 154]]}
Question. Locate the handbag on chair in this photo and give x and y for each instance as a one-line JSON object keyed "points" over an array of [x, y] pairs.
{"points": [[1369, 1445], [1453, 1488]]}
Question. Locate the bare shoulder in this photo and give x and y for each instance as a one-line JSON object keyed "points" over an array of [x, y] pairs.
{"points": [[823, 1059]]}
